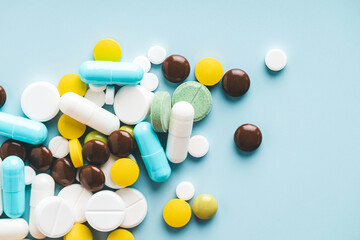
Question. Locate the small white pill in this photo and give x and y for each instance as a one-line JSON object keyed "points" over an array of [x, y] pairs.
{"points": [[143, 62], [59, 146], [29, 175], [110, 95], [185, 191], [97, 88], [157, 54], [96, 97], [275, 59], [150, 81], [198, 146]]}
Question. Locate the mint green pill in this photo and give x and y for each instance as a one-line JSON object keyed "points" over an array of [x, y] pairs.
{"points": [[97, 136], [197, 94], [160, 111]]}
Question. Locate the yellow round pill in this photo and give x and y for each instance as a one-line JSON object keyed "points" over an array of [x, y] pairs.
{"points": [[177, 213], [208, 71], [70, 128], [129, 129], [72, 83], [107, 50], [79, 232], [124, 172], [76, 153], [121, 234]]}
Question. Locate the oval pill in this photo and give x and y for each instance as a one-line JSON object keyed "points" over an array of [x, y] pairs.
{"points": [[75, 150], [176, 68], [96, 152], [40, 158], [235, 82], [248, 137], [13, 229], [13, 148], [208, 71], [92, 178], [205, 206], [124, 172], [177, 213], [63, 171], [121, 143]]}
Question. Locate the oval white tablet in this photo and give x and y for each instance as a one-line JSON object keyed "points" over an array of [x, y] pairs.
{"points": [[185, 191], [29, 175], [132, 104], [143, 62], [275, 59], [96, 97], [150, 81], [54, 217], [77, 197], [40, 101], [136, 207], [59, 146], [97, 88], [105, 211], [198, 146], [110, 95], [156, 54]]}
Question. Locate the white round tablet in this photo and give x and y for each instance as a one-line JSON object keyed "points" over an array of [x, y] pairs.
{"points": [[136, 207], [110, 95], [150, 81], [157, 54], [97, 88], [96, 97], [198, 146], [77, 197], [275, 59], [143, 62], [185, 191], [105, 211], [40, 101], [132, 104], [59, 146], [29, 175], [54, 217]]}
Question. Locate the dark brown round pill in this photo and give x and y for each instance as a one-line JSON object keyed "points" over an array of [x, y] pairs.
{"points": [[2, 96], [248, 137], [96, 152], [236, 82], [40, 158], [63, 172], [176, 68], [121, 143], [91, 178], [12, 147]]}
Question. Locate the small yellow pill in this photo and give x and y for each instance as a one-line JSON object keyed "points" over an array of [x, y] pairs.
{"points": [[177, 213], [129, 129], [124, 172], [107, 50], [121, 234], [70, 128], [205, 206], [76, 153], [79, 232], [72, 83], [208, 71]]}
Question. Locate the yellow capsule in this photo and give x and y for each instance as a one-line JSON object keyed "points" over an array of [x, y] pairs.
{"points": [[79, 232], [76, 153], [177, 213], [208, 71], [124, 172], [72, 83], [120, 234], [107, 50], [70, 128]]}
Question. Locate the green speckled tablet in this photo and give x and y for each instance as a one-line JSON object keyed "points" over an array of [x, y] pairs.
{"points": [[160, 111], [196, 94]]}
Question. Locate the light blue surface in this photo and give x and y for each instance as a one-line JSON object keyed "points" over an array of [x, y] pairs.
{"points": [[303, 182]]}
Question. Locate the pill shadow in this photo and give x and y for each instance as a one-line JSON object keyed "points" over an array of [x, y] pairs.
{"points": [[202, 222], [235, 99], [246, 155], [273, 74], [175, 230]]}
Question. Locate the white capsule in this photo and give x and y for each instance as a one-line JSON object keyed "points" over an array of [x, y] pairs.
{"points": [[181, 123], [87, 112], [13, 229]]}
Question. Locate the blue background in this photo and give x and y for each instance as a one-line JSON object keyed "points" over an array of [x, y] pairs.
{"points": [[303, 182]]}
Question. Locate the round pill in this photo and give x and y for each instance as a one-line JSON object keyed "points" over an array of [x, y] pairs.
{"points": [[177, 213], [129, 129], [63, 172], [107, 50], [204, 206], [59, 146], [196, 94], [77, 197], [54, 217], [97, 88], [29, 175], [156, 54], [76, 153], [198, 146], [176, 68], [122, 234], [185, 191], [235, 82], [40, 101], [150, 81], [136, 207], [208, 71], [95, 135], [143, 62], [92, 178], [2, 96], [248, 137], [13, 148], [96, 152], [124, 172], [121, 143], [275, 59], [40, 158], [72, 83], [96, 97], [79, 232], [70, 128], [105, 217], [160, 111], [110, 95]]}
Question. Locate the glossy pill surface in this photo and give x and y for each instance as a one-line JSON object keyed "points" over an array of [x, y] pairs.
{"points": [[208, 71], [177, 213], [63, 171], [121, 143], [107, 50], [2, 96], [176, 68], [92, 178], [95, 135], [235, 82], [205, 206], [40, 158], [96, 152], [248, 137], [13, 148]]}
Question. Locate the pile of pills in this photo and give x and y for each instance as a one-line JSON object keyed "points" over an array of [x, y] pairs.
{"points": [[104, 156]]}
